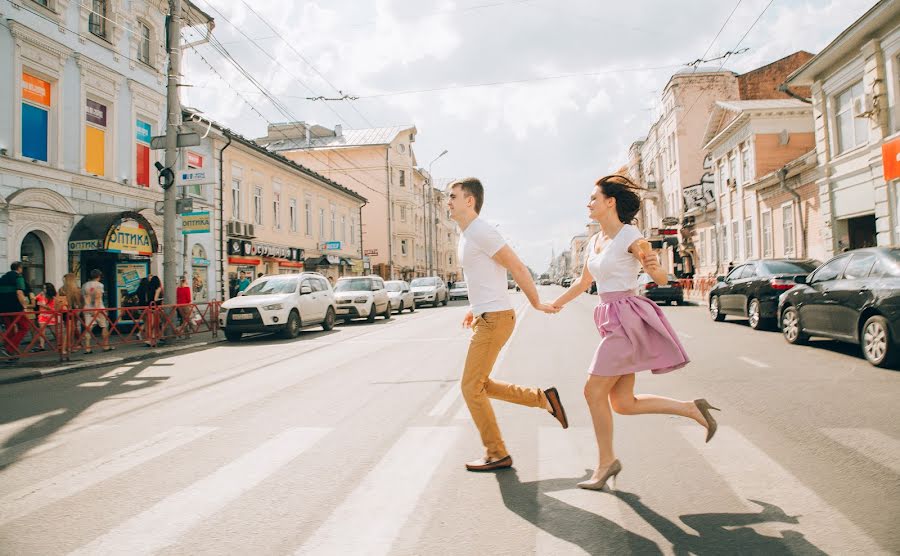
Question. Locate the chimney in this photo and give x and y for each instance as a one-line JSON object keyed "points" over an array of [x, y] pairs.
{"points": [[338, 130]]}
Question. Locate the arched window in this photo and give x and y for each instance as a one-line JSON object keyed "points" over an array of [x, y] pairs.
{"points": [[34, 270]]}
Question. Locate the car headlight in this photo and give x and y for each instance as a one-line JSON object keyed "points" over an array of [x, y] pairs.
{"points": [[360, 299], [273, 307]]}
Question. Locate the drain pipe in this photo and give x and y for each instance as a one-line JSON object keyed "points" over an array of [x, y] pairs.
{"points": [[222, 253], [782, 179]]}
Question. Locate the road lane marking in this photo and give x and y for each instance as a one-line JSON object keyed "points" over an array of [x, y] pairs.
{"points": [[34, 497], [753, 362], [683, 334], [752, 475], [871, 444], [446, 401], [40, 445], [164, 523], [12, 428], [370, 518]]}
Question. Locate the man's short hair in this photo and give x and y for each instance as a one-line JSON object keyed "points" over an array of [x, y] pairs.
{"points": [[473, 188], [15, 266], [96, 274]]}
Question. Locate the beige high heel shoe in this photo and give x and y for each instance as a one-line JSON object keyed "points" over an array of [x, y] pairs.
{"points": [[711, 424], [597, 484]]}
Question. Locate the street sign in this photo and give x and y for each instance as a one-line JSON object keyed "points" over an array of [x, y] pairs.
{"points": [[195, 222], [331, 245], [189, 139], [159, 207], [194, 177], [371, 252], [183, 205]]}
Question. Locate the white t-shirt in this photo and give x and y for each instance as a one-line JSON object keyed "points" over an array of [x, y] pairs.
{"points": [[614, 268], [485, 277]]}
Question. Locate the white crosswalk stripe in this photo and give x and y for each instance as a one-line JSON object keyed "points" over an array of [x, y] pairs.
{"points": [[34, 497], [43, 444], [870, 443], [162, 524], [369, 519], [753, 475]]}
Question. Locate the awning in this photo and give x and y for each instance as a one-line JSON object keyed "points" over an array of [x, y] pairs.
{"points": [[115, 232]]}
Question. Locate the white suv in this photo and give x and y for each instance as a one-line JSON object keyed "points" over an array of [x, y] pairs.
{"points": [[362, 296], [282, 303], [430, 289]]}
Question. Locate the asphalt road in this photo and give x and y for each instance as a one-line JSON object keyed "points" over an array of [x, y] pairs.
{"points": [[353, 442]]}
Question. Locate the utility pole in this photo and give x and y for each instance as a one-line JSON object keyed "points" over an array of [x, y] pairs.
{"points": [[173, 121]]}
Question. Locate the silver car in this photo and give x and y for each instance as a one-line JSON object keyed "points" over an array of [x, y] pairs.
{"points": [[401, 296], [429, 290], [459, 291]]}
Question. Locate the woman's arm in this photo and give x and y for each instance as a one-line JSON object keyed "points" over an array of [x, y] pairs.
{"points": [[579, 286], [643, 252]]}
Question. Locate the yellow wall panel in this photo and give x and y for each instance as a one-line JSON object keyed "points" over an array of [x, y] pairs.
{"points": [[94, 151]]}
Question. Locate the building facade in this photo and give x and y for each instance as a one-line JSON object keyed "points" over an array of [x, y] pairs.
{"points": [[83, 92], [855, 84]]}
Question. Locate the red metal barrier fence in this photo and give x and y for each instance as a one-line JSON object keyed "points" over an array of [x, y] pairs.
{"points": [[85, 330], [698, 287]]}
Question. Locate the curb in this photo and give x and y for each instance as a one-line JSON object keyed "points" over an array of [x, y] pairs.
{"points": [[26, 375]]}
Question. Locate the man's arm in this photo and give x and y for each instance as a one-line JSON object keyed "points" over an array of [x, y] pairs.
{"points": [[511, 262], [577, 287], [20, 291]]}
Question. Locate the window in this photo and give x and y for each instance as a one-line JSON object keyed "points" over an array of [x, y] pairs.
{"points": [[851, 130], [404, 247], [35, 118], [193, 161], [736, 273], [672, 149], [749, 271], [402, 178], [45, 3], [95, 138], [859, 266], [830, 270], [745, 165], [787, 224], [402, 214], [97, 18], [292, 209], [307, 209], [748, 237], [333, 224], [257, 205], [352, 231], [732, 169], [767, 234], [321, 223], [144, 44], [343, 237], [236, 199], [700, 247], [735, 241], [720, 174], [144, 132], [276, 210]]}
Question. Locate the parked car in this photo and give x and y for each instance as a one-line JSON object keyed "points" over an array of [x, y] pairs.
{"points": [[854, 297], [400, 295], [459, 291], [566, 282], [670, 292], [751, 290], [510, 284], [362, 297], [283, 303], [429, 289]]}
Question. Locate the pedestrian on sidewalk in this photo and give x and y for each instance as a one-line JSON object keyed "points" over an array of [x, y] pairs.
{"points": [[183, 299], [13, 302], [46, 307], [485, 258], [72, 307], [95, 312], [635, 334]]}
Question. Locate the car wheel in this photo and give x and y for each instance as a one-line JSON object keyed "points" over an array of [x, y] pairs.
{"points": [[754, 316], [291, 327], [876, 342], [371, 317], [445, 300], [233, 336], [412, 308], [714, 311], [328, 323], [387, 312], [400, 310], [790, 327], [437, 301]]}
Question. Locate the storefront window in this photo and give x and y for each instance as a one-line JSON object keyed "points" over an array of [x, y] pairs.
{"points": [[34, 271], [35, 118], [95, 138], [144, 133], [200, 265]]}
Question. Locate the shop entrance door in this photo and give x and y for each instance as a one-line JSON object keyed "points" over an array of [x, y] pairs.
{"points": [[861, 231]]}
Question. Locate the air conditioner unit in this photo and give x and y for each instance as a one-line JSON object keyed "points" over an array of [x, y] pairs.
{"points": [[233, 229], [863, 106], [249, 231]]}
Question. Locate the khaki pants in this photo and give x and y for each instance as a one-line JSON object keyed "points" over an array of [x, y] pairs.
{"points": [[492, 330]]}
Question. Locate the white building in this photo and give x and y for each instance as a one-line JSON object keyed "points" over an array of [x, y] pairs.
{"points": [[81, 93]]}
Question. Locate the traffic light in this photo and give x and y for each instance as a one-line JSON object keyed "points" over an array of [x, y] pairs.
{"points": [[166, 176]]}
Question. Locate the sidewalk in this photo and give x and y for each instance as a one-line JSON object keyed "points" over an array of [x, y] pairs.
{"points": [[48, 365]]}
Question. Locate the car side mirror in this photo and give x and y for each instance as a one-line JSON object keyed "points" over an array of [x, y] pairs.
{"points": [[305, 289], [720, 278], [800, 279], [240, 294]]}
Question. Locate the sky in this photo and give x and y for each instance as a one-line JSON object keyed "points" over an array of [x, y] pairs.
{"points": [[537, 98]]}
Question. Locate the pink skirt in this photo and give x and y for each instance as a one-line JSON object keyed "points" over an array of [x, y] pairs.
{"points": [[635, 336]]}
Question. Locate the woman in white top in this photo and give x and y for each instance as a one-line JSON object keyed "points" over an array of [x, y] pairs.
{"points": [[635, 334]]}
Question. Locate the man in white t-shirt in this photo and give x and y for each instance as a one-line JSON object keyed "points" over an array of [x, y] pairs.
{"points": [[485, 258]]}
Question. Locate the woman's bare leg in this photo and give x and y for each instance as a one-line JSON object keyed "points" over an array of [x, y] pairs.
{"points": [[624, 402], [597, 392]]}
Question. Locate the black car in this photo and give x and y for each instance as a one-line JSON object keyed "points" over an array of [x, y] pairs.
{"points": [[751, 290], [670, 293], [854, 297]]}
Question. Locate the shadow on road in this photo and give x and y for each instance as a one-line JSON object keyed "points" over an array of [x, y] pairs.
{"points": [[716, 533]]}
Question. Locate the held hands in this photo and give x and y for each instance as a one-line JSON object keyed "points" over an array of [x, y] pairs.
{"points": [[467, 320], [550, 309]]}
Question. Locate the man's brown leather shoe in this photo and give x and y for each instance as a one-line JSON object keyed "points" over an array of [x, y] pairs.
{"points": [[556, 408], [487, 464]]}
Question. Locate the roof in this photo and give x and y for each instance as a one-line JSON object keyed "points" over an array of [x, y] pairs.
{"points": [[723, 108], [882, 15], [347, 138], [234, 136]]}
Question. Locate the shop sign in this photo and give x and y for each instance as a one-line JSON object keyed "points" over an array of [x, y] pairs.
{"points": [[669, 221], [331, 245], [195, 222], [129, 237], [194, 160], [199, 261], [371, 252], [95, 112], [333, 259], [35, 90], [195, 177], [85, 245], [890, 159]]}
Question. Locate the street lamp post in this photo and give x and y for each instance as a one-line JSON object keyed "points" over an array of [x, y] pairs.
{"points": [[429, 230]]}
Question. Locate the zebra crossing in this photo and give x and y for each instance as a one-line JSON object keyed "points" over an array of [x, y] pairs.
{"points": [[774, 508]]}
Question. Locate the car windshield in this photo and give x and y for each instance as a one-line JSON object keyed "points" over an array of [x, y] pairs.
{"points": [[419, 282], [457, 285], [271, 286], [643, 278], [393, 286], [354, 285], [894, 255], [789, 267]]}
